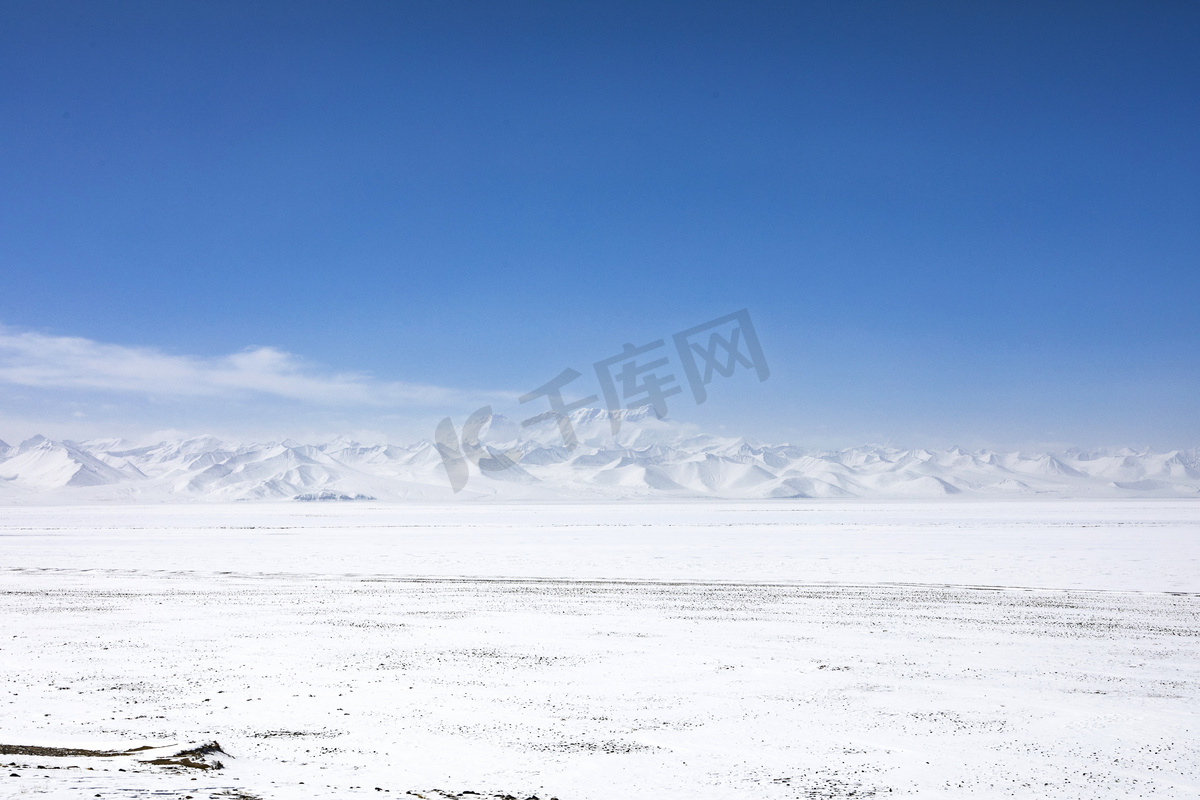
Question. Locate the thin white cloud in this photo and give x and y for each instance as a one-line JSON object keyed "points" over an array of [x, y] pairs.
{"points": [[67, 362]]}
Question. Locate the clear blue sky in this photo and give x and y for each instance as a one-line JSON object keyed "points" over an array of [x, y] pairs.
{"points": [[951, 222]]}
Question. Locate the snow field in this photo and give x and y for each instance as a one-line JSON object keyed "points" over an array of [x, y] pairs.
{"points": [[639, 651]]}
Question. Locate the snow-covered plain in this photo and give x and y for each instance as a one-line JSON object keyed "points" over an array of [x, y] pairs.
{"points": [[774, 649]]}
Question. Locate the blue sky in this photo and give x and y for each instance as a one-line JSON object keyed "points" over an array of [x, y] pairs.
{"points": [[973, 223]]}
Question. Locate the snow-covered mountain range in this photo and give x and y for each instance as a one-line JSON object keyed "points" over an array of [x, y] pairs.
{"points": [[648, 458]]}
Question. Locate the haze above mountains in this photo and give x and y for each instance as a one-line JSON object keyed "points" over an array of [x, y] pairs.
{"points": [[648, 458]]}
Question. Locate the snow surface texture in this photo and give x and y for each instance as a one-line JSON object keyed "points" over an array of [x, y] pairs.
{"points": [[648, 458], [702, 650]]}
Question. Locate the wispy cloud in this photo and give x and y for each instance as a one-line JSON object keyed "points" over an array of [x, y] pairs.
{"points": [[67, 362]]}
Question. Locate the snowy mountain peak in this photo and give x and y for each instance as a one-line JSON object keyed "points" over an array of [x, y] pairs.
{"points": [[648, 457], [33, 443]]}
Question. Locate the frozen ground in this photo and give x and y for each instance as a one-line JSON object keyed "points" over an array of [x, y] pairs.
{"points": [[759, 650]]}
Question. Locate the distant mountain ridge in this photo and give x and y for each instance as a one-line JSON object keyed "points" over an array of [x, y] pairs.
{"points": [[647, 458]]}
